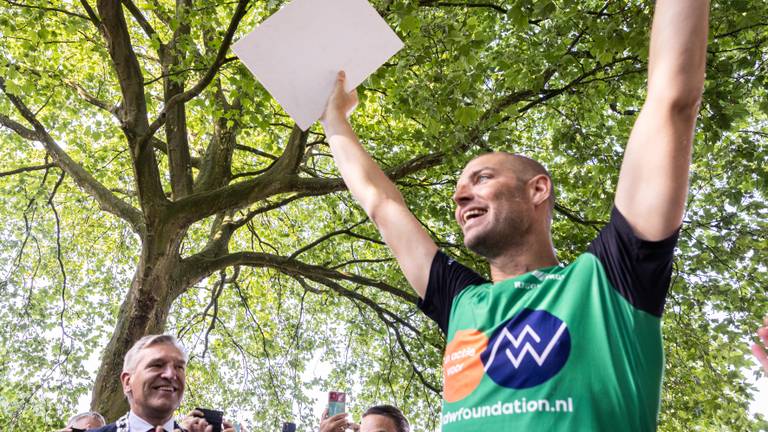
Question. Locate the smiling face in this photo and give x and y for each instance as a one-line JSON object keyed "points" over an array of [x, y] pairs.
{"points": [[156, 385], [496, 204]]}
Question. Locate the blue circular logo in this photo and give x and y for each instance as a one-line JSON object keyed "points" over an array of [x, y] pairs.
{"points": [[527, 350]]}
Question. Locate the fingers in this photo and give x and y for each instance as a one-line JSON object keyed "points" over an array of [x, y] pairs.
{"points": [[341, 103], [334, 424], [196, 424], [337, 417], [227, 426]]}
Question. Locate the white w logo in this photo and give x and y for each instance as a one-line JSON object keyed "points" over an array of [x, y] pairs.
{"points": [[527, 349]]}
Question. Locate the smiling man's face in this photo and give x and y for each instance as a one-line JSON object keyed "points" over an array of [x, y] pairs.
{"points": [[156, 385], [492, 207]]}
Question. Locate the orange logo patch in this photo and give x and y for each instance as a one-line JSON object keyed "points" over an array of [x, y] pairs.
{"points": [[462, 368]]}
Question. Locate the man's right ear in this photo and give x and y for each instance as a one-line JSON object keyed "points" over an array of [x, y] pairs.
{"points": [[125, 380], [542, 189]]}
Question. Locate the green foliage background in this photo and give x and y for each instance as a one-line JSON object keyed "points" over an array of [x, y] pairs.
{"points": [[559, 80]]}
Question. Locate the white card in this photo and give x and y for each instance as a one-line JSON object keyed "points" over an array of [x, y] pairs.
{"points": [[296, 52]]}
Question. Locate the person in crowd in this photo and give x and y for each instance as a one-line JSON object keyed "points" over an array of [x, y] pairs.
{"points": [[541, 346], [379, 418], [760, 350], [84, 421], [154, 379]]}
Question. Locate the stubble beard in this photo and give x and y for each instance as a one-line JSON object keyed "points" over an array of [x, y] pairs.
{"points": [[499, 238]]}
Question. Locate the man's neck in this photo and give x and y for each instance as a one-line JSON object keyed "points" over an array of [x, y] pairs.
{"points": [[153, 420], [517, 261]]}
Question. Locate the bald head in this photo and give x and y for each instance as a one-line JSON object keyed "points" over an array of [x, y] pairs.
{"points": [[524, 168]]}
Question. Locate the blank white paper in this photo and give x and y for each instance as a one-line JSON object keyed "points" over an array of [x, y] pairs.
{"points": [[296, 52]]}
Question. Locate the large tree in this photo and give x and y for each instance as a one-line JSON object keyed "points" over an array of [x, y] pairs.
{"points": [[149, 184]]}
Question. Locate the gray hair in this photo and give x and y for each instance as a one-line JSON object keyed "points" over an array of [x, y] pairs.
{"points": [[129, 362], [93, 414]]}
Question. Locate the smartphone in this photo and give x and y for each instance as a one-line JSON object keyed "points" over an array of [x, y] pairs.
{"points": [[289, 427], [213, 417], [336, 403]]}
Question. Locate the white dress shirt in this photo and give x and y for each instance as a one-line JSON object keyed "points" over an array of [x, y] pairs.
{"points": [[138, 424]]}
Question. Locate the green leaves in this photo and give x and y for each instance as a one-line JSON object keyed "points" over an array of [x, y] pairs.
{"points": [[409, 23], [537, 79], [467, 115]]}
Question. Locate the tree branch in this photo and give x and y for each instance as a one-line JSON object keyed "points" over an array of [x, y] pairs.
{"points": [[91, 14], [27, 169], [325, 237], [22, 131], [380, 311], [198, 267], [140, 18], [216, 169], [106, 200], [240, 11], [160, 145], [418, 373], [242, 194], [571, 215], [179, 158], [491, 6], [288, 162], [48, 9], [133, 110]]}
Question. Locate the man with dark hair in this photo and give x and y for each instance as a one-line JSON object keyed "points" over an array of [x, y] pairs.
{"points": [[384, 418], [379, 418], [542, 346]]}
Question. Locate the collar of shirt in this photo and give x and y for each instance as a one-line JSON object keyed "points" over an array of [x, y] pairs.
{"points": [[138, 424]]}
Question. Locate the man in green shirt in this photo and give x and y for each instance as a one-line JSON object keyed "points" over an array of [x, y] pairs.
{"points": [[541, 346]]}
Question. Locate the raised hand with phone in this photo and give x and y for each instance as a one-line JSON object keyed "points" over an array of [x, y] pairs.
{"points": [[206, 420], [335, 418]]}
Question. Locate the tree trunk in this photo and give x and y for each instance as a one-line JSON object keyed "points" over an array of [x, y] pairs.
{"points": [[155, 286]]}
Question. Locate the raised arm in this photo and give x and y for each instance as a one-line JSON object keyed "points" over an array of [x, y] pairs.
{"points": [[379, 197], [653, 183]]}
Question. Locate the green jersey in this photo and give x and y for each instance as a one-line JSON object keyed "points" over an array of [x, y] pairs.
{"points": [[574, 348]]}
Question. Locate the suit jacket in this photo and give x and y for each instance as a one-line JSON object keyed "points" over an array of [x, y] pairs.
{"points": [[112, 427]]}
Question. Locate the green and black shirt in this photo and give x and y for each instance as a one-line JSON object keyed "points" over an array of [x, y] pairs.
{"points": [[574, 348]]}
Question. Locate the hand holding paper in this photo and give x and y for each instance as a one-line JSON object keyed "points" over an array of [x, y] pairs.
{"points": [[297, 52], [340, 104]]}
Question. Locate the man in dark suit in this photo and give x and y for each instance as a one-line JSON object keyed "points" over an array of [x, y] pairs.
{"points": [[153, 378]]}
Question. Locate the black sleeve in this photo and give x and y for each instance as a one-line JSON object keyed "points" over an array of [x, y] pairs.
{"points": [[639, 269], [446, 280]]}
